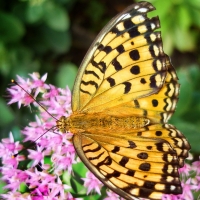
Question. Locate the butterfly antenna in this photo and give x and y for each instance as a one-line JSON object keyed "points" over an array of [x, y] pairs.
{"points": [[33, 142], [13, 81]]}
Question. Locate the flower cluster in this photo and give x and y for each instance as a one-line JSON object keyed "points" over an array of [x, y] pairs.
{"points": [[40, 174], [52, 153]]}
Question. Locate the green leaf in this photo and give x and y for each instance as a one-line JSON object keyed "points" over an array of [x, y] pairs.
{"points": [[186, 91], [183, 17], [11, 29], [6, 114], [4, 60], [56, 41], [2, 185], [191, 131], [56, 17], [80, 169], [163, 8], [195, 16], [23, 188], [187, 36], [66, 75], [34, 12]]}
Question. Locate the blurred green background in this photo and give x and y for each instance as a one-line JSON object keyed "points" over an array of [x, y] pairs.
{"points": [[53, 36]]}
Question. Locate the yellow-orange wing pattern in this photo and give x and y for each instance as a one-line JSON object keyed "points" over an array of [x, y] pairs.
{"points": [[126, 73]]}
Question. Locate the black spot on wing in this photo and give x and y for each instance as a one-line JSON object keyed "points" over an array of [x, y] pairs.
{"points": [[96, 157], [111, 81], [139, 133], [144, 192], [149, 147], [130, 172], [153, 81], [134, 55], [173, 172], [142, 155], [123, 161], [145, 113], [154, 64], [90, 83], [116, 149], [102, 67], [143, 81], [106, 161], [145, 166], [87, 145], [115, 30], [120, 49], [149, 184], [128, 24], [155, 102], [86, 92], [116, 64], [132, 145], [100, 47], [127, 87], [93, 150], [135, 70], [107, 49], [114, 174], [133, 32], [151, 50], [92, 72], [158, 133], [137, 105]]}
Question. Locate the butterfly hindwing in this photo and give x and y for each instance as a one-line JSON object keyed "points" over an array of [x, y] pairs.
{"points": [[143, 163]]}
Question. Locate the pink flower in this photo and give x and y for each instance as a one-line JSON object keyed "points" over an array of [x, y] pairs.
{"points": [[43, 184], [184, 171], [92, 183], [36, 156], [38, 84], [14, 177], [16, 196], [9, 146], [111, 195], [196, 167], [187, 189]]}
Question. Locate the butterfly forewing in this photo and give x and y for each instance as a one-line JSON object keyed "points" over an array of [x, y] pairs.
{"points": [[98, 62], [124, 94]]}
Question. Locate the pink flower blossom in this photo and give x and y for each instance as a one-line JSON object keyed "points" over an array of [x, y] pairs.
{"points": [[111, 195], [92, 183], [196, 167], [184, 171]]}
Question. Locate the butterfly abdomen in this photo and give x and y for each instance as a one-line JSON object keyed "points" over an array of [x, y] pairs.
{"points": [[78, 123]]}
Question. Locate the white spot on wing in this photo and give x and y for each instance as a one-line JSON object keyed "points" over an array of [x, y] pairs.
{"points": [[153, 25], [142, 10], [172, 187]]}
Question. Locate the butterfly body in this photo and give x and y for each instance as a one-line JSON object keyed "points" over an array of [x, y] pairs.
{"points": [[100, 122], [125, 92]]}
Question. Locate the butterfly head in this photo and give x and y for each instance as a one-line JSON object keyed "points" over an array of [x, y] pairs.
{"points": [[63, 124]]}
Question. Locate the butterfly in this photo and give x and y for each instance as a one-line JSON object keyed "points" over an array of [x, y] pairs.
{"points": [[124, 94]]}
